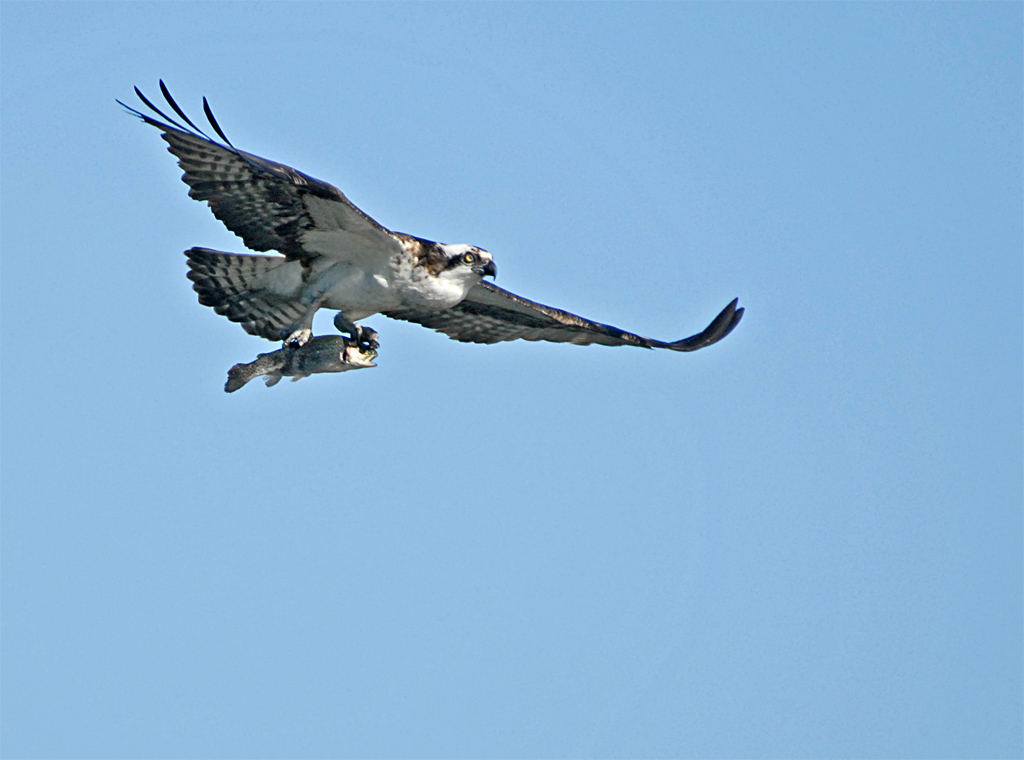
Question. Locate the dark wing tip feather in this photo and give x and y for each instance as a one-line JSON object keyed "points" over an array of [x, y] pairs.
{"points": [[720, 326], [156, 110], [177, 108], [127, 107], [174, 124], [192, 129], [213, 122]]}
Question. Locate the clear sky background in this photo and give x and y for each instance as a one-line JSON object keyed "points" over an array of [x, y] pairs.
{"points": [[805, 541]]}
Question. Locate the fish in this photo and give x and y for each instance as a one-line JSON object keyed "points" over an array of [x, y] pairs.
{"points": [[326, 353]]}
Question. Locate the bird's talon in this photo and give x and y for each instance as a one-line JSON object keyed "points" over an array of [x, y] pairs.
{"points": [[298, 337], [367, 336]]}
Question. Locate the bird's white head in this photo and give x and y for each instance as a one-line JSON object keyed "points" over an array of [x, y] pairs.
{"points": [[466, 264]]}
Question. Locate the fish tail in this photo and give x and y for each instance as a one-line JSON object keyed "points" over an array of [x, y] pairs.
{"points": [[239, 375]]}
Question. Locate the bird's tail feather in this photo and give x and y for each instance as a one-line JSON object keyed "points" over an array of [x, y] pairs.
{"points": [[245, 289]]}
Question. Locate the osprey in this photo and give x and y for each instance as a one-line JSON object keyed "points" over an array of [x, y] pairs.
{"points": [[335, 256]]}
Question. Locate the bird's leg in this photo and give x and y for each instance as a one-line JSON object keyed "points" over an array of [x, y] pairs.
{"points": [[368, 336], [299, 333], [365, 337], [296, 335]]}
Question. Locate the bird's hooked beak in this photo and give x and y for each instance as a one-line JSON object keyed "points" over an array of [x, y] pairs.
{"points": [[487, 269]]}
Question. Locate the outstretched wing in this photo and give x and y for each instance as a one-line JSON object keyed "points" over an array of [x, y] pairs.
{"points": [[490, 314], [269, 205]]}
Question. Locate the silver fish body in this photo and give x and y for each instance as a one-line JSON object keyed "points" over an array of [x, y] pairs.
{"points": [[327, 353]]}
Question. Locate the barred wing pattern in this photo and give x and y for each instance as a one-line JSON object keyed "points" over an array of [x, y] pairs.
{"points": [[265, 203], [490, 314]]}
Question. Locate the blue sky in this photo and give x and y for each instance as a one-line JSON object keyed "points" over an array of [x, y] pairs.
{"points": [[805, 541]]}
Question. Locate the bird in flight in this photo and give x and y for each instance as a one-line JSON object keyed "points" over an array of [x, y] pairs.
{"points": [[334, 256]]}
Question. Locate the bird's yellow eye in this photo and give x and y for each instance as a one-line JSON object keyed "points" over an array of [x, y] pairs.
{"points": [[469, 258]]}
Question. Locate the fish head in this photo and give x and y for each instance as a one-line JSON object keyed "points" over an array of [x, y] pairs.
{"points": [[358, 357]]}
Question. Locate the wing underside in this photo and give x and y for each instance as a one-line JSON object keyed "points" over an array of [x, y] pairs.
{"points": [[490, 314], [269, 205]]}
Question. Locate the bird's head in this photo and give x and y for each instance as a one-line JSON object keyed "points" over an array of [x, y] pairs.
{"points": [[467, 263]]}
